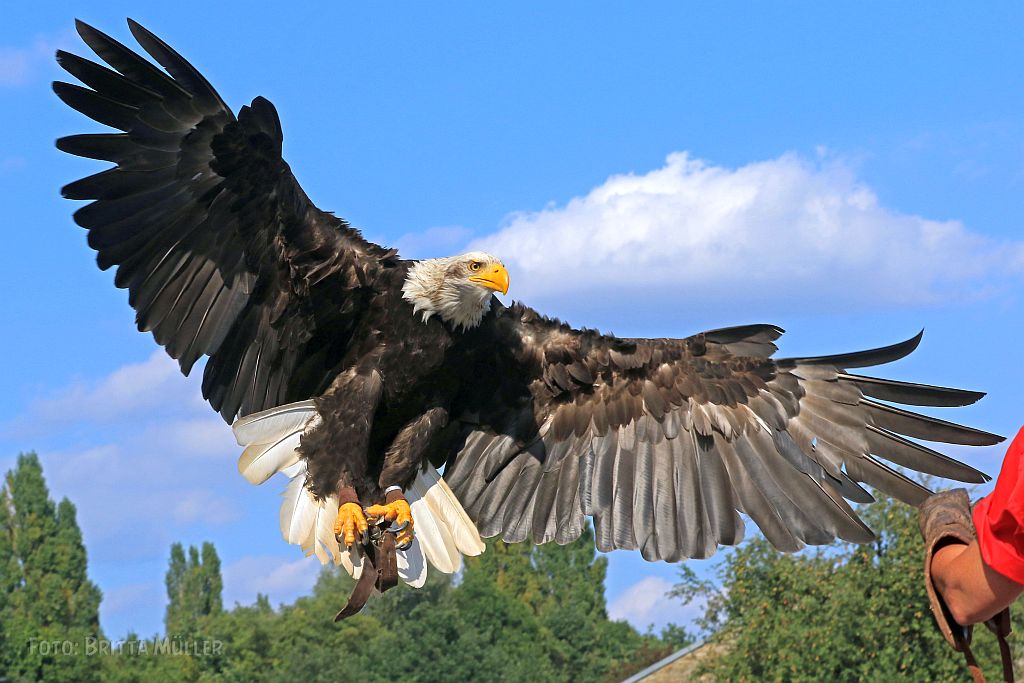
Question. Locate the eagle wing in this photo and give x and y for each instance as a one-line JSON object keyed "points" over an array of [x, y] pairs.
{"points": [[221, 251], [663, 442]]}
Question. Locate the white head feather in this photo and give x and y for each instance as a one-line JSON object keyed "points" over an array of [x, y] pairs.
{"points": [[443, 287]]}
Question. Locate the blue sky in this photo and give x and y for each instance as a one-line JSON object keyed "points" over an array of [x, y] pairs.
{"points": [[853, 173]]}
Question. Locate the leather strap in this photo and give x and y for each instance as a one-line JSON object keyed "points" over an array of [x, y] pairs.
{"points": [[1000, 626], [380, 571], [361, 592], [387, 562], [1006, 657]]}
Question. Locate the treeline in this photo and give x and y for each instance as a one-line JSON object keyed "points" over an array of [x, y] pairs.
{"points": [[516, 613], [842, 613]]}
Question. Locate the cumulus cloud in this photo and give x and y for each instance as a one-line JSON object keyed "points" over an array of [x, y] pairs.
{"points": [[148, 463], [132, 498], [139, 452], [202, 505], [282, 580], [806, 234], [203, 436], [131, 390], [646, 603]]}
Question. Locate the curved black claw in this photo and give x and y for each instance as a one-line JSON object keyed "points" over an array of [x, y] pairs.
{"points": [[395, 529]]}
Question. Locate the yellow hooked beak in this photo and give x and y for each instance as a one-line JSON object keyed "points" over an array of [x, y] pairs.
{"points": [[493, 277]]}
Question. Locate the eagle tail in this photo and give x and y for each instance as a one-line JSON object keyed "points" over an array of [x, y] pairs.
{"points": [[442, 526], [269, 425], [440, 503], [444, 531], [271, 438]]}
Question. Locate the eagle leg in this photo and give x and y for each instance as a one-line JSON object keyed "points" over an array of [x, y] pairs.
{"points": [[397, 511], [351, 524]]}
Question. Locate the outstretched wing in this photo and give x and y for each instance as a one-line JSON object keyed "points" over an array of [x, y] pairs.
{"points": [[664, 441], [220, 249]]}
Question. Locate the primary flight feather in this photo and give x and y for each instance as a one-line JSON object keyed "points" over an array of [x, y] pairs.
{"points": [[356, 372]]}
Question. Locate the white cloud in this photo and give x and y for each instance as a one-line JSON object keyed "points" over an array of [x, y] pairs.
{"points": [[139, 452], [150, 386], [283, 580], [19, 65], [132, 493], [646, 602], [206, 436], [784, 232], [201, 505]]}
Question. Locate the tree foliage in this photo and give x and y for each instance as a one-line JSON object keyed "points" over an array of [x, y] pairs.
{"points": [[856, 613], [516, 613], [48, 606], [193, 588]]}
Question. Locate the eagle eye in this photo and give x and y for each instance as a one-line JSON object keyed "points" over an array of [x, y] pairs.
{"points": [[475, 266]]}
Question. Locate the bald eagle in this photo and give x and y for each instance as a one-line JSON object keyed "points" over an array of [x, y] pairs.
{"points": [[360, 374]]}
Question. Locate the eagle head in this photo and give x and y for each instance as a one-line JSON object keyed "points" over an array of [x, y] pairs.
{"points": [[458, 289]]}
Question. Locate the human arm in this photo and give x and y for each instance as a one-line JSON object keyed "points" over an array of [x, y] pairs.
{"points": [[973, 591]]}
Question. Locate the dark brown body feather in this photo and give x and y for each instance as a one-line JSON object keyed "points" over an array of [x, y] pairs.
{"points": [[396, 381], [221, 251], [663, 442]]}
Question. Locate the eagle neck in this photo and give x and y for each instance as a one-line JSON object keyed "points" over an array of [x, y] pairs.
{"points": [[432, 291]]}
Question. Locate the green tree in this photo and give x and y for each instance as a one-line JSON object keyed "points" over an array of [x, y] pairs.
{"points": [[193, 588], [136, 662], [516, 613], [570, 604], [856, 613], [48, 605]]}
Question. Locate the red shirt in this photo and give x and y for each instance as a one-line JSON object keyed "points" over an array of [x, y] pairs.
{"points": [[999, 516]]}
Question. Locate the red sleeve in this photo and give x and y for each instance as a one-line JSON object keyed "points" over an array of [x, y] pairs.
{"points": [[999, 517]]}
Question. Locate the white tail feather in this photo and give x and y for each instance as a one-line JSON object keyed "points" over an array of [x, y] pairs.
{"points": [[270, 425], [309, 523], [298, 510], [433, 534], [444, 505], [444, 532], [308, 543], [327, 547], [272, 439], [412, 566], [352, 561], [261, 461], [441, 524]]}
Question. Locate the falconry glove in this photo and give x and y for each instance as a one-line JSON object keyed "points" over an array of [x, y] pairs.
{"points": [[945, 519]]}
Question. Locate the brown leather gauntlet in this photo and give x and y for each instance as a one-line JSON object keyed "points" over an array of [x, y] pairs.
{"points": [[945, 519]]}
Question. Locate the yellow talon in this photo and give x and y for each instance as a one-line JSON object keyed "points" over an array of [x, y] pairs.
{"points": [[351, 524], [398, 513]]}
